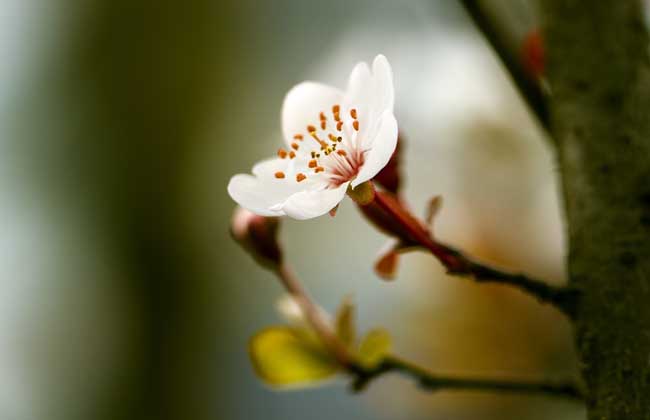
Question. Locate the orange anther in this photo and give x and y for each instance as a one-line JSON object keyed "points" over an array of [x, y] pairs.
{"points": [[298, 137], [292, 154], [339, 125], [311, 129], [323, 124], [341, 152], [300, 177], [295, 146], [322, 116], [282, 153], [355, 124], [319, 169], [279, 175], [353, 113], [313, 163]]}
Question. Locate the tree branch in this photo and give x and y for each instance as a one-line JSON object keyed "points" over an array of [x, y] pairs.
{"points": [[457, 263], [599, 114], [434, 383], [362, 376], [530, 89]]}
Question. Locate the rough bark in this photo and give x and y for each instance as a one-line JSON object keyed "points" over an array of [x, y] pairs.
{"points": [[599, 75]]}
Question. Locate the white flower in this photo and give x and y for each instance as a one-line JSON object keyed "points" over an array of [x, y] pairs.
{"points": [[334, 140]]}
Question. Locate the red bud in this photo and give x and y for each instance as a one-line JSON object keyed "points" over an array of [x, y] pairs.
{"points": [[533, 55], [257, 235]]}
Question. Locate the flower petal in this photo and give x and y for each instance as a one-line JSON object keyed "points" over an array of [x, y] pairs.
{"points": [[359, 85], [371, 94], [303, 104], [268, 167], [383, 85], [313, 203], [382, 149], [252, 194]]}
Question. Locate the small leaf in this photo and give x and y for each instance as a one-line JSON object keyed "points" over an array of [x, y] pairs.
{"points": [[345, 327], [373, 348], [282, 359]]}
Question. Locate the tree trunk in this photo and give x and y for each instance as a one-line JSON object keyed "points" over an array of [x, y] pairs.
{"points": [[599, 75]]}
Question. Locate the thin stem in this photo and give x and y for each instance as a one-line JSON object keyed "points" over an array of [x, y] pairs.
{"points": [[363, 376], [434, 383], [314, 316], [459, 264]]}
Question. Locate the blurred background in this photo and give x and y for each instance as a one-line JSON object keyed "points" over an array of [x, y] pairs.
{"points": [[122, 294]]}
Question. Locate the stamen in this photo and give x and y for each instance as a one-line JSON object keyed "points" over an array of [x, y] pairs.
{"points": [[313, 163], [355, 124], [300, 177], [292, 154], [321, 116], [295, 146], [313, 154], [312, 132], [339, 125], [336, 109], [323, 124], [279, 175], [319, 169], [282, 153], [341, 152], [332, 137], [298, 137], [353, 113]]}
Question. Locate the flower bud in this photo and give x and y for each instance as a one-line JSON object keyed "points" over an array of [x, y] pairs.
{"points": [[257, 235], [533, 55]]}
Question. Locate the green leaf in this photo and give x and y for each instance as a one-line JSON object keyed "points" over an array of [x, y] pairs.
{"points": [[345, 327], [282, 358], [373, 348]]}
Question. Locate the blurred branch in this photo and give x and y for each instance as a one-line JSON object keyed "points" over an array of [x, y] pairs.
{"points": [[433, 383], [529, 88], [362, 376]]}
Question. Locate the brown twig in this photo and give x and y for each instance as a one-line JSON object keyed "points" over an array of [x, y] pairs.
{"points": [[433, 383], [363, 376], [412, 231]]}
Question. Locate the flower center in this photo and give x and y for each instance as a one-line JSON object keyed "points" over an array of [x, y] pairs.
{"points": [[331, 148]]}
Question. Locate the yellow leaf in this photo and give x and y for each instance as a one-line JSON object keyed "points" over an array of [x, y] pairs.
{"points": [[345, 327], [373, 348], [282, 359]]}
